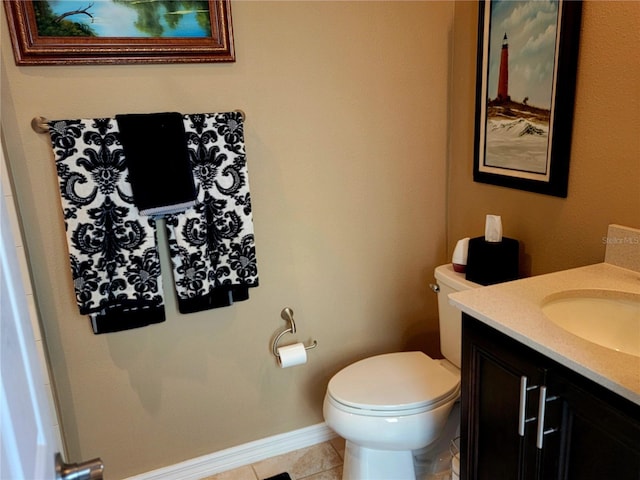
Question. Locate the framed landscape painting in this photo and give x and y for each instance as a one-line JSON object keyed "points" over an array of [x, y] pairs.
{"points": [[72, 32], [525, 90]]}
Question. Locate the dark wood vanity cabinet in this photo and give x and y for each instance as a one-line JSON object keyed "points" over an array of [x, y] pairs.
{"points": [[524, 416]]}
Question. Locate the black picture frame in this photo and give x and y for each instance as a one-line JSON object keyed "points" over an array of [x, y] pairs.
{"points": [[505, 159]]}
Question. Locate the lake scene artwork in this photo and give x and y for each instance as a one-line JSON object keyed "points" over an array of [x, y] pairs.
{"points": [[520, 85], [123, 18]]}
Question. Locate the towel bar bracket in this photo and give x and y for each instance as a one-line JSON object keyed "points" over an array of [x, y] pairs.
{"points": [[39, 125]]}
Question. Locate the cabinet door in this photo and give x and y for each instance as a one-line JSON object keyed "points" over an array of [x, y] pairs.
{"points": [[599, 433], [500, 391]]}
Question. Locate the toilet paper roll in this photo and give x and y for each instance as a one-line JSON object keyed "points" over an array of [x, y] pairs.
{"points": [[292, 355], [493, 228]]}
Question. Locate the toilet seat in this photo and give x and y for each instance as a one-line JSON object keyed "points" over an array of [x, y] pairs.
{"points": [[402, 383]]}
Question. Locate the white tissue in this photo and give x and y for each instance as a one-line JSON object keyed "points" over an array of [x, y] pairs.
{"points": [[493, 228], [460, 252], [291, 355]]}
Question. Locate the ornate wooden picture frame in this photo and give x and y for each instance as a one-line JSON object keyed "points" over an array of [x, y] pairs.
{"points": [[70, 32], [525, 90]]}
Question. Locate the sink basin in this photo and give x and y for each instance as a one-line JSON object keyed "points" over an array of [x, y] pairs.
{"points": [[609, 318]]}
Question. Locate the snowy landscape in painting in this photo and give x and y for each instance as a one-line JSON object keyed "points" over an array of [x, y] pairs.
{"points": [[517, 144]]}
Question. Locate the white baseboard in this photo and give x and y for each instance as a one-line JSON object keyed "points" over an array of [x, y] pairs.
{"points": [[241, 455]]}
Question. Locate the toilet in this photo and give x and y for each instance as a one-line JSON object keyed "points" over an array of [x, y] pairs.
{"points": [[388, 406]]}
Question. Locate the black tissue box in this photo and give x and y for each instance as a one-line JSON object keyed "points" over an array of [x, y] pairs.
{"points": [[489, 263]]}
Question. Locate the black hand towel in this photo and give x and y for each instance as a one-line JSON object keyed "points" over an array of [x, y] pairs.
{"points": [[157, 157]]}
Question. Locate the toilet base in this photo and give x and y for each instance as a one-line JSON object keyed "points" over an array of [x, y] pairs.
{"points": [[361, 463]]}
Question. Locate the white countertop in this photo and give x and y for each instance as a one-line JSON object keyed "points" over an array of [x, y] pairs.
{"points": [[514, 308]]}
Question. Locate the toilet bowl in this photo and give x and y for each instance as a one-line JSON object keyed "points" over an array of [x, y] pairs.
{"points": [[388, 406]]}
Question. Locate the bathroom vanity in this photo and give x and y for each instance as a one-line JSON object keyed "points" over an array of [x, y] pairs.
{"points": [[543, 399], [526, 416]]}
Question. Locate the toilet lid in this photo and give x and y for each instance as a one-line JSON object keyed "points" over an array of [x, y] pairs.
{"points": [[394, 381]]}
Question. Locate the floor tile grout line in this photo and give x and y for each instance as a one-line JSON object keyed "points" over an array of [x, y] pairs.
{"points": [[335, 449], [253, 469]]}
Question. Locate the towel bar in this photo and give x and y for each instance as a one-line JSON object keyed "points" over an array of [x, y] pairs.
{"points": [[40, 124], [287, 316]]}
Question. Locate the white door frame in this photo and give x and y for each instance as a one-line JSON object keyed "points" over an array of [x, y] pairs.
{"points": [[28, 440]]}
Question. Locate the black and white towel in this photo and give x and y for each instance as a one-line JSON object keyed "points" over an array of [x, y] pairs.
{"points": [[212, 244], [112, 248], [113, 252]]}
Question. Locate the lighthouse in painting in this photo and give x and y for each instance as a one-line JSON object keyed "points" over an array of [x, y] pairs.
{"points": [[503, 79]]}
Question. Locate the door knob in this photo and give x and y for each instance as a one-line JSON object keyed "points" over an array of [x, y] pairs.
{"points": [[91, 470]]}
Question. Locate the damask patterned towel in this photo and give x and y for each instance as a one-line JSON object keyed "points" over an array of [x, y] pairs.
{"points": [[112, 249], [155, 147], [212, 244]]}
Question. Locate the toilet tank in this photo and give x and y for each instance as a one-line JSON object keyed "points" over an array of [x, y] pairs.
{"points": [[450, 318]]}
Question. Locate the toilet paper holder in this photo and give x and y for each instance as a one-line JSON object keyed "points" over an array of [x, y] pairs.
{"points": [[287, 316]]}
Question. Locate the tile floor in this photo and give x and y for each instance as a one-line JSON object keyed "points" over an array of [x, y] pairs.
{"points": [[317, 462]]}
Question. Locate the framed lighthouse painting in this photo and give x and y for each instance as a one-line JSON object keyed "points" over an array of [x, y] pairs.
{"points": [[525, 90]]}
